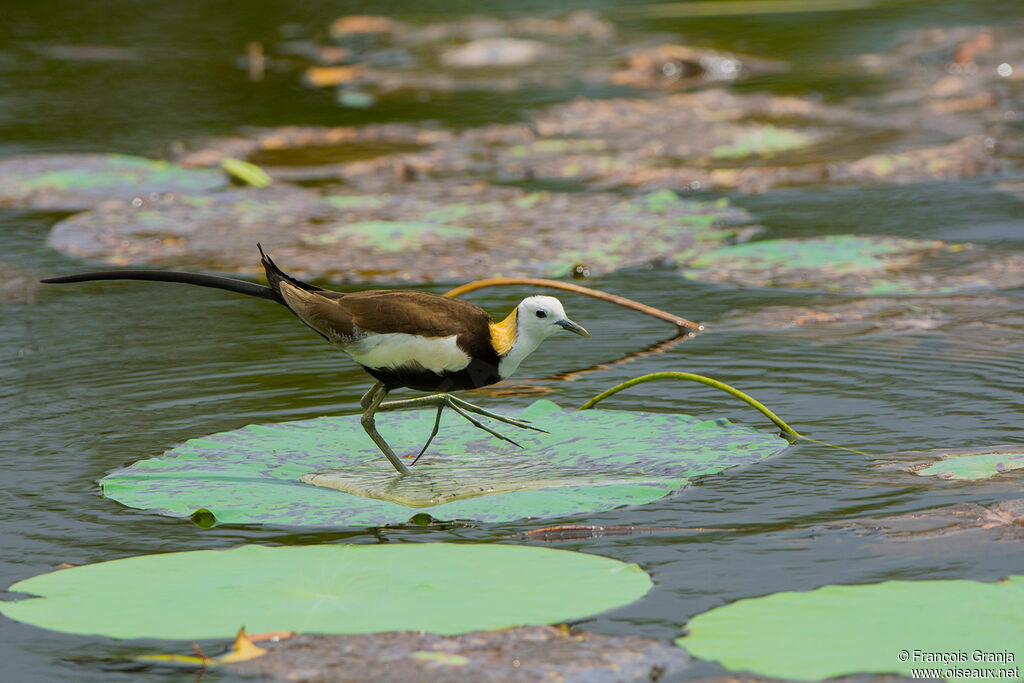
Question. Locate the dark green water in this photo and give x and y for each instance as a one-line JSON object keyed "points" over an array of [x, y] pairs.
{"points": [[96, 377]]}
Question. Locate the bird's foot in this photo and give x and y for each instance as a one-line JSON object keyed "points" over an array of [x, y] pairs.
{"points": [[463, 408]]}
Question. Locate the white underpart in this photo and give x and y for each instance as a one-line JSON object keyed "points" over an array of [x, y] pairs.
{"points": [[521, 348], [395, 350]]}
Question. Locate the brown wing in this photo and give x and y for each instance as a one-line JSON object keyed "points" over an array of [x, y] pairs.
{"points": [[410, 312], [343, 318]]}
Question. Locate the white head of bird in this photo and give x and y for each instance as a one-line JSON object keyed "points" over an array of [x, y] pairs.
{"points": [[536, 318]]}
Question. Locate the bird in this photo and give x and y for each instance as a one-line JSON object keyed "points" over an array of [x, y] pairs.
{"points": [[402, 338]]}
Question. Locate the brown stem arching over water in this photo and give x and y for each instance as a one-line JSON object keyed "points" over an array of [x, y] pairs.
{"points": [[685, 326]]}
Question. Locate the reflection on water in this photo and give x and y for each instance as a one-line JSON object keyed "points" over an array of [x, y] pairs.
{"points": [[95, 377]]}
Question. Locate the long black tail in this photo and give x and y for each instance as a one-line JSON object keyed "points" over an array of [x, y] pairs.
{"points": [[230, 284]]}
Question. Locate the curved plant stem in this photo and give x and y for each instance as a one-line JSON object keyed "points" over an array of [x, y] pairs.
{"points": [[685, 326], [703, 380]]}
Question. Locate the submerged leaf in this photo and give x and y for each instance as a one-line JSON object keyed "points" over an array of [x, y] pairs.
{"points": [[590, 461], [885, 628], [525, 653], [435, 587]]}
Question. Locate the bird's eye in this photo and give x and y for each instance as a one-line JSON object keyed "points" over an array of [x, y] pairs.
{"points": [[541, 314]]}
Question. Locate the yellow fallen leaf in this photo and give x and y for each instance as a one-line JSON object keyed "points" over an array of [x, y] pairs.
{"points": [[323, 76], [242, 650]]}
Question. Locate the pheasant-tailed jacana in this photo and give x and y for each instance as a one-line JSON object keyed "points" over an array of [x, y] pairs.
{"points": [[418, 340]]}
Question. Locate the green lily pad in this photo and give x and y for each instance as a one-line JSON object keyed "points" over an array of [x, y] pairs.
{"points": [[327, 472], [441, 588], [72, 182], [972, 464], [885, 628], [864, 264], [762, 141]]}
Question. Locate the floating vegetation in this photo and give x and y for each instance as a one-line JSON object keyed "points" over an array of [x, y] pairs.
{"points": [[764, 141], [961, 79], [1003, 521], [860, 263], [965, 464], [310, 152], [525, 653], [994, 320], [488, 53], [686, 141], [246, 173], [666, 65], [442, 588], [324, 472], [430, 232], [843, 630], [72, 182]]}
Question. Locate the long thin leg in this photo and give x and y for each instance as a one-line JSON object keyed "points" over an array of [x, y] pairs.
{"points": [[433, 433], [371, 428]]}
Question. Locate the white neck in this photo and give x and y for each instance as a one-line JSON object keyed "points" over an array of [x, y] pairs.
{"points": [[522, 347]]}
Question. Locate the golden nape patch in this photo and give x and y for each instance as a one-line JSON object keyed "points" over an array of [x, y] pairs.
{"points": [[503, 334]]}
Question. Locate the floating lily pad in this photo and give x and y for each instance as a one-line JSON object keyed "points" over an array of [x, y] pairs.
{"points": [[982, 463], [842, 630], [667, 141], [591, 461], [430, 231], [526, 653], [691, 141], [985, 318], [435, 587], [71, 182], [860, 263], [981, 466], [763, 141], [632, 141], [390, 236]]}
